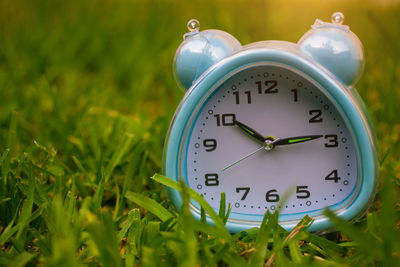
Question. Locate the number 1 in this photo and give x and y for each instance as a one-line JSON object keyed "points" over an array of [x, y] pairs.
{"points": [[294, 94]]}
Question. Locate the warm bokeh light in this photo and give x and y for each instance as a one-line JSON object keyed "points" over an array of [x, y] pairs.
{"points": [[87, 92]]}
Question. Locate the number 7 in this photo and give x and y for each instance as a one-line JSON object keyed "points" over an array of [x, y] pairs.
{"points": [[246, 189]]}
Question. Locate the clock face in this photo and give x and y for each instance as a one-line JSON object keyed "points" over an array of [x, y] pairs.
{"points": [[269, 134]]}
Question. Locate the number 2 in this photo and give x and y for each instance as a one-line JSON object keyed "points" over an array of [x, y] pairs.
{"points": [[317, 117]]}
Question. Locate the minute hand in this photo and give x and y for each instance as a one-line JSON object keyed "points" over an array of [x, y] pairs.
{"points": [[295, 140]]}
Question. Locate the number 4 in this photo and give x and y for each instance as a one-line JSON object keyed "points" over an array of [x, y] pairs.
{"points": [[333, 176]]}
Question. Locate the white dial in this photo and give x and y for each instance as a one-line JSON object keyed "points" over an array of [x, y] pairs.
{"points": [[316, 165]]}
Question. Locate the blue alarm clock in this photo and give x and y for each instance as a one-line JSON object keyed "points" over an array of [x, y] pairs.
{"points": [[275, 125]]}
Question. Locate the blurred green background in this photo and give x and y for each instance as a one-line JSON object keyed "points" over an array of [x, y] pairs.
{"points": [[89, 83], [62, 61]]}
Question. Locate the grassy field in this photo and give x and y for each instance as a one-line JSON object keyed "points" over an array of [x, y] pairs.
{"points": [[86, 97]]}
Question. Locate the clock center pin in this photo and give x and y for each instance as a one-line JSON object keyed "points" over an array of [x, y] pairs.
{"points": [[268, 145]]}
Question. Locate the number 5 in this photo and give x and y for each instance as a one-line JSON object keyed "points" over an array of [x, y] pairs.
{"points": [[302, 189]]}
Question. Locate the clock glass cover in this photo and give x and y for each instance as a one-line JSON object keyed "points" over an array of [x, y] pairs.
{"points": [[311, 159]]}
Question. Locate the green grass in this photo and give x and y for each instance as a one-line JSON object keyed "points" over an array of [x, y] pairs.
{"points": [[86, 97]]}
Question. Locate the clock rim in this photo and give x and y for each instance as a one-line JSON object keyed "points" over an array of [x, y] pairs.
{"points": [[344, 99]]}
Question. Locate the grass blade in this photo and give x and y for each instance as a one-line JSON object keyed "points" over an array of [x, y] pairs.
{"points": [[263, 235], [4, 155], [27, 206], [196, 197], [119, 152], [22, 259], [364, 241], [133, 216], [326, 244], [104, 239], [134, 238], [80, 166], [150, 205], [98, 196]]}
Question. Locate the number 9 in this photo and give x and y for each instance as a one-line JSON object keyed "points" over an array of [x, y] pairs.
{"points": [[210, 144]]}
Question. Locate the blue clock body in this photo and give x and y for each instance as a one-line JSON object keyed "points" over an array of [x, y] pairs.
{"points": [[211, 64]]}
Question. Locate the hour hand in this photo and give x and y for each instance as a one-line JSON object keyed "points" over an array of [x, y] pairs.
{"points": [[249, 131], [295, 140]]}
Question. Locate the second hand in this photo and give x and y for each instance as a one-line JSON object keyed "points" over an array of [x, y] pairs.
{"points": [[245, 157]]}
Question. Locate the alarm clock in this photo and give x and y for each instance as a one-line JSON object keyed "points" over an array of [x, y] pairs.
{"points": [[277, 126]]}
